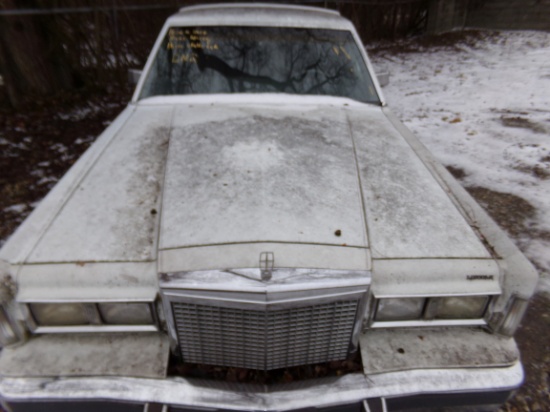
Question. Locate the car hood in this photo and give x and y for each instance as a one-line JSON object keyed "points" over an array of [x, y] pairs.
{"points": [[248, 179], [253, 179], [324, 183]]}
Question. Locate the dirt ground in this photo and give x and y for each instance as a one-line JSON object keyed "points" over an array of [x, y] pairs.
{"points": [[512, 214], [38, 144]]}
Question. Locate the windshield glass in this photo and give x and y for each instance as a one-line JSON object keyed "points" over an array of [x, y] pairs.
{"points": [[203, 60]]}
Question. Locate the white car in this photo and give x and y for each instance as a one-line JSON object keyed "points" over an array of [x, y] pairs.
{"points": [[257, 207]]}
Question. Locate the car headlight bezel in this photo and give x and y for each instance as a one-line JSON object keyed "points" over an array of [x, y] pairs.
{"points": [[399, 309], [55, 317], [126, 313], [457, 307], [451, 308], [60, 314]]}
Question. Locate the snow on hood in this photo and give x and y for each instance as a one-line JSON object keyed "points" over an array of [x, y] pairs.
{"points": [[218, 184]]}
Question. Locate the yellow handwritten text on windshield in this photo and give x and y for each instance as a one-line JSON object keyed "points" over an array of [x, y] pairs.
{"points": [[182, 43]]}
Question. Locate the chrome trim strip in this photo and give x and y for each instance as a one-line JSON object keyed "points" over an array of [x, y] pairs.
{"points": [[249, 280], [275, 304], [426, 320], [436, 295], [180, 392], [120, 300], [95, 319], [366, 407], [427, 323], [96, 328]]}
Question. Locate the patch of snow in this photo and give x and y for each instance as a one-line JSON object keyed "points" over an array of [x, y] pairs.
{"points": [[59, 147], [47, 179], [77, 114], [256, 155], [19, 208], [485, 109]]}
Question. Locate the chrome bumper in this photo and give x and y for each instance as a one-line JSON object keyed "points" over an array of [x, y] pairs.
{"points": [[354, 391]]}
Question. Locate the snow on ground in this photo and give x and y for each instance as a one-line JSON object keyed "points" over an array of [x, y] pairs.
{"points": [[484, 107]]}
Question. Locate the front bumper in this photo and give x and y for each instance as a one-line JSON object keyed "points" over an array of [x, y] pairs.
{"points": [[127, 372], [394, 390]]}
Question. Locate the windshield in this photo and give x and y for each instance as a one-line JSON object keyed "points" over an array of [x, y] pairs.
{"points": [[203, 60]]}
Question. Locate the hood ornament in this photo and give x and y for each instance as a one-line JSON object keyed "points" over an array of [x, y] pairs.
{"points": [[267, 261]]}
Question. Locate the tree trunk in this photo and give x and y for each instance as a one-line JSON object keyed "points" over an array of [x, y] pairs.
{"points": [[32, 62]]}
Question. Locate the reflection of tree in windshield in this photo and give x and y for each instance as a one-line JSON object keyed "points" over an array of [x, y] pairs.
{"points": [[259, 60]]}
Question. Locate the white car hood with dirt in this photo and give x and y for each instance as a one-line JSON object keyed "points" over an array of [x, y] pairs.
{"points": [[249, 179], [321, 183]]}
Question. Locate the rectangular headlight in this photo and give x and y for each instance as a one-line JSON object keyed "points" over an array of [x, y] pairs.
{"points": [[457, 307], [399, 309], [126, 313], [59, 314]]}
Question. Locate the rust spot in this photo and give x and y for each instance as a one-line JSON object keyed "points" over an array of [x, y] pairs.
{"points": [[420, 337], [338, 233], [80, 263]]}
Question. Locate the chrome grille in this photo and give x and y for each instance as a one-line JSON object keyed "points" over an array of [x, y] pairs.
{"points": [[264, 339]]}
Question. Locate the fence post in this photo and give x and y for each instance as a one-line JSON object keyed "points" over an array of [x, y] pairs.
{"points": [[441, 16]]}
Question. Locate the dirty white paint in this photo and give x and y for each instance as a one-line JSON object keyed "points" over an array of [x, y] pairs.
{"points": [[91, 282], [243, 255], [109, 216], [260, 15], [258, 156], [434, 277], [139, 355], [20, 244], [271, 175], [409, 215], [325, 392], [389, 350], [233, 180], [266, 175]]}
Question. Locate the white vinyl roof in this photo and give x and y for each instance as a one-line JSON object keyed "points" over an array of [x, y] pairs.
{"points": [[258, 14]]}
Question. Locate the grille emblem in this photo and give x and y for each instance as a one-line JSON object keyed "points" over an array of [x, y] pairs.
{"points": [[267, 262]]}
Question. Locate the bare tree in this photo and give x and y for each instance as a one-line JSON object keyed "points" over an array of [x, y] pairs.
{"points": [[32, 59]]}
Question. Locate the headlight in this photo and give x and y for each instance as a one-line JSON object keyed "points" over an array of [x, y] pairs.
{"points": [[457, 307], [126, 313], [59, 314], [399, 309]]}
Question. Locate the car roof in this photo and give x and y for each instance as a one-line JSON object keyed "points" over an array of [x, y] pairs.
{"points": [[259, 14]]}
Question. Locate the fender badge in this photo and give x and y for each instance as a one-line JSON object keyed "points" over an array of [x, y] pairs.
{"points": [[480, 277]]}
